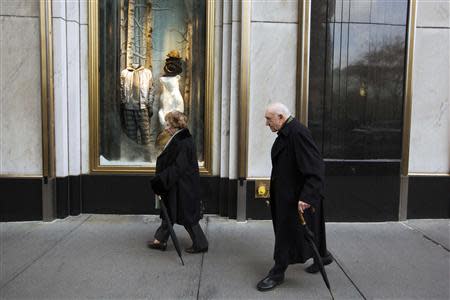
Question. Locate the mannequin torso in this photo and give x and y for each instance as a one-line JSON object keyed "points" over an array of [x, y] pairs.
{"points": [[170, 98]]}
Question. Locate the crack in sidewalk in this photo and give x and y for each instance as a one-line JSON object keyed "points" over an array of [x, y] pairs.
{"points": [[424, 235], [43, 254], [347, 274]]}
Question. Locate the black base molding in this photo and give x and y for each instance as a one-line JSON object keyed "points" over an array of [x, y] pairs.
{"points": [[21, 199], [362, 191], [429, 197], [68, 196], [354, 192], [132, 194]]}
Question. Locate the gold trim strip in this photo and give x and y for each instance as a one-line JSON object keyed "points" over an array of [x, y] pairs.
{"points": [[93, 84], [408, 88], [304, 25], [94, 109], [47, 97], [21, 176], [244, 88], [209, 93], [258, 178], [418, 174]]}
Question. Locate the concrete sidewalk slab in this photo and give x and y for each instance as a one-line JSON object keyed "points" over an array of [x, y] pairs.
{"points": [[390, 260], [21, 243], [436, 230], [107, 257], [241, 254]]}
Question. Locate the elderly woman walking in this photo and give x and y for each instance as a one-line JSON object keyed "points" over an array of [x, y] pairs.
{"points": [[177, 181]]}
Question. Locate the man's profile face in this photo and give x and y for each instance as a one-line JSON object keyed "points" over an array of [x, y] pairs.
{"points": [[274, 121]]}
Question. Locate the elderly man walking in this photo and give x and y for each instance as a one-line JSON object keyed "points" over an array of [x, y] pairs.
{"points": [[296, 184]]}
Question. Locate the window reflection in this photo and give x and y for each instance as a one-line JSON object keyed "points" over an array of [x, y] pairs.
{"points": [[356, 78]]}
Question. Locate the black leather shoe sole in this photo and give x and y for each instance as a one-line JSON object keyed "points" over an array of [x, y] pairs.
{"points": [[192, 250], [314, 268]]}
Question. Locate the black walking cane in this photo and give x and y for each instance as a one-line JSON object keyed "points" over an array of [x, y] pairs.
{"points": [[309, 236], [171, 231]]}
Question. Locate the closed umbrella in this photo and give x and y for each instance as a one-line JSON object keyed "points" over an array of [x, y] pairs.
{"points": [[171, 231], [309, 237]]}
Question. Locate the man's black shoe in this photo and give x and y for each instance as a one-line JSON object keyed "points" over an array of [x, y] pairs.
{"points": [[314, 268], [268, 283], [193, 250]]}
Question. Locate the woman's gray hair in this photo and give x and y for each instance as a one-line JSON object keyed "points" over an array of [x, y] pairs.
{"points": [[278, 109]]}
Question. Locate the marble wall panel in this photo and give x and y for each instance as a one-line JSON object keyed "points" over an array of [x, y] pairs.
{"points": [[28, 8], [20, 103], [225, 101], [272, 79], [73, 97], [59, 9], [84, 99], [234, 98], [60, 95], [217, 87], [73, 10], [282, 11], [433, 13], [218, 17], [236, 11], [430, 132], [84, 12]]}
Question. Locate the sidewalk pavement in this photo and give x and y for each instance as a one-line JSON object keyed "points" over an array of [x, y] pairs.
{"points": [[105, 257]]}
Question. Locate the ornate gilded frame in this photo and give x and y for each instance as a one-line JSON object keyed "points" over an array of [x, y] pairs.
{"points": [[94, 136]]}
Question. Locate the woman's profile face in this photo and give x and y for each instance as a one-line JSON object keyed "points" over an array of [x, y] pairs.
{"points": [[170, 130]]}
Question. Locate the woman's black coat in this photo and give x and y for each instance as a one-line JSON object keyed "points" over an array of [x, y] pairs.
{"points": [[177, 179], [297, 174]]}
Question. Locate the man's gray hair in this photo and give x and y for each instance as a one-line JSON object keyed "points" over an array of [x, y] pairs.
{"points": [[279, 108]]}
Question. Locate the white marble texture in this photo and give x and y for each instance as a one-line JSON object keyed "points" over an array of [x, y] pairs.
{"points": [[29, 8], [20, 97], [73, 97], [84, 12], [218, 17], [84, 98], [217, 88], [73, 10], [234, 98], [430, 125], [59, 9], [227, 12], [236, 10], [285, 11], [225, 101], [272, 79], [60, 95], [433, 13]]}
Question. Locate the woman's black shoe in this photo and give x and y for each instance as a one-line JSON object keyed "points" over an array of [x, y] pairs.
{"points": [[195, 250], [157, 246]]}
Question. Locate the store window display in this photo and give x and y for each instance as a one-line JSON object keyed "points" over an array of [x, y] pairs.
{"points": [[147, 52]]}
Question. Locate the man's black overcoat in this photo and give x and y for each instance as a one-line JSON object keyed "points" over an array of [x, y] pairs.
{"points": [[177, 179], [297, 174]]}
